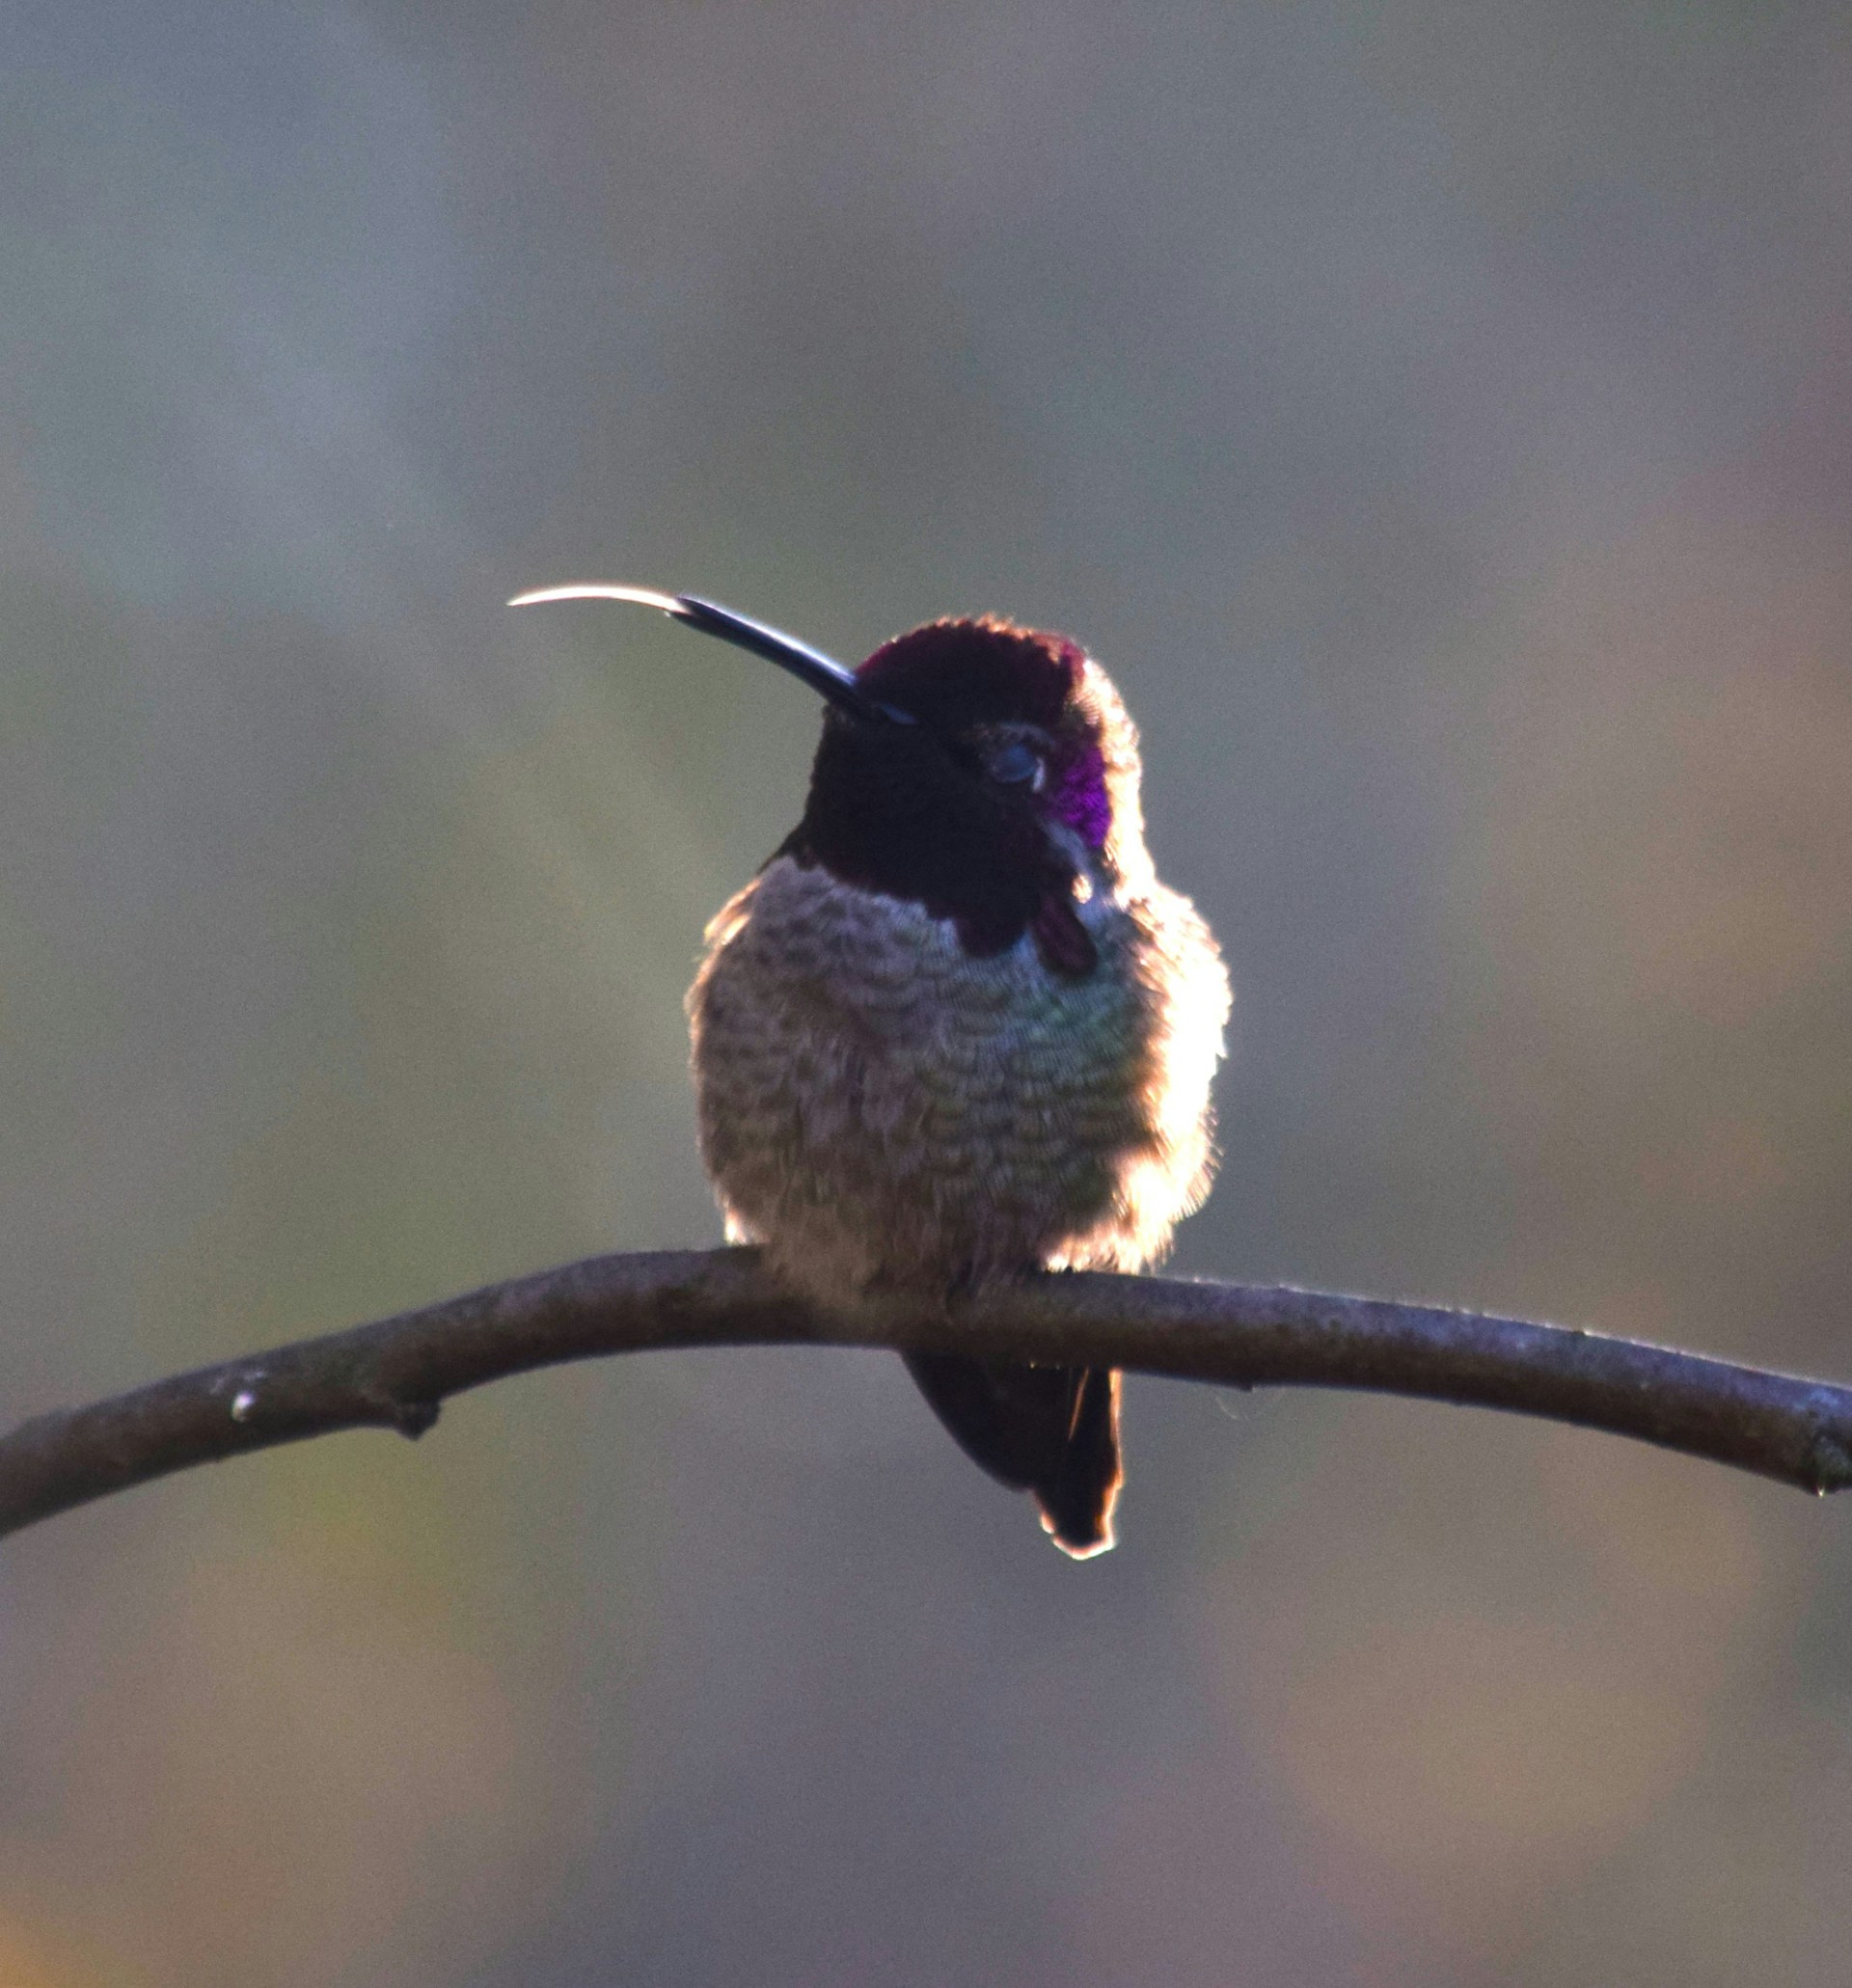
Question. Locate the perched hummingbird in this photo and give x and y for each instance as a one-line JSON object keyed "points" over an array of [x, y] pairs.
{"points": [[955, 1029]]}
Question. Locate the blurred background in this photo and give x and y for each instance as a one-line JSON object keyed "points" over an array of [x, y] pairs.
{"points": [[1439, 418]]}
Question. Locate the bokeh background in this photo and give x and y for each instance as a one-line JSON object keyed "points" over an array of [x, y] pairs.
{"points": [[1438, 416]]}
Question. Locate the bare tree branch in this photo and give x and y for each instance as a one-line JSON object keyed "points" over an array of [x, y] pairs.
{"points": [[392, 1375]]}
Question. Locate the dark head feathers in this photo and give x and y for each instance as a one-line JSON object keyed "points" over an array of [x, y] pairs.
{"points": [[954, 674], [909, 810]]}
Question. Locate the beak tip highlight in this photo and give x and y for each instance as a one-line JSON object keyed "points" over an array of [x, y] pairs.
{"points": [[601, 590]]}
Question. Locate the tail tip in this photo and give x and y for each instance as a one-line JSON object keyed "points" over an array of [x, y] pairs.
{"points": [[1078, 1510], [1079, 1542]]}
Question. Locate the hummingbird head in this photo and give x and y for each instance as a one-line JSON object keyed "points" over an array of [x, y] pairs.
{"points": [[1011, 797], [986, 772]]}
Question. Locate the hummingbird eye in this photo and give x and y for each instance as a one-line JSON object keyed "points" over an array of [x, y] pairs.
{"points": [[1015, 762]]}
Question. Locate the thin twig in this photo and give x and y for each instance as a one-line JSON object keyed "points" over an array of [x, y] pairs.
{"points": [[392, 1375]]}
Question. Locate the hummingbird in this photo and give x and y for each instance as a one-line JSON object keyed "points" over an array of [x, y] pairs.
{"points": [[955, 1031]]}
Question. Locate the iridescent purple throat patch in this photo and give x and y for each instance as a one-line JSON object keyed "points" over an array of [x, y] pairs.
{"points": [[1079, 798]]}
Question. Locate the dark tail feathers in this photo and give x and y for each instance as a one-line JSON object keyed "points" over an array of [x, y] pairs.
{"points": [[1053, 1430]]}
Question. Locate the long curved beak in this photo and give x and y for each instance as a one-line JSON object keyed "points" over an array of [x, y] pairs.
{"points": [[823, 673]]}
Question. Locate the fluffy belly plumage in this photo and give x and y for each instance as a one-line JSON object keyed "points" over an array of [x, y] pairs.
{"points": [[876, 1105]]}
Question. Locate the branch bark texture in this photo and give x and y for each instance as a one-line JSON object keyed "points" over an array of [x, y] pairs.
{"points": [[394, 1373]]}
